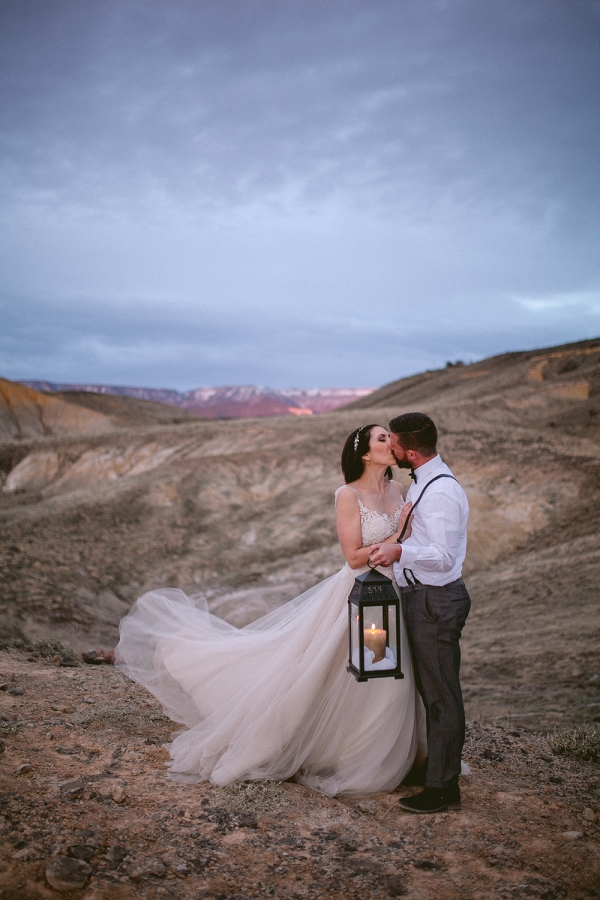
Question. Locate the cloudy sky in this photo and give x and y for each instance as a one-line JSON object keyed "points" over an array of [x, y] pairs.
{"points": [[310, 193]]}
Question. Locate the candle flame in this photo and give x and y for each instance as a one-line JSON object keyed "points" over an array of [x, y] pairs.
{"points": [[373, 628]]}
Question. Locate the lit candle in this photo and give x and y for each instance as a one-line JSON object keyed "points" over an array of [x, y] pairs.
{"points": [[375, 640]]}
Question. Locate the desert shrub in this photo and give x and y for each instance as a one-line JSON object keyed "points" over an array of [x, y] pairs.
{"points": [[581, 742], [45, 649], [12, 643]]}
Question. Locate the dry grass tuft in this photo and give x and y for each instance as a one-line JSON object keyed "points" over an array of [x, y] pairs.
{"points": [[582, 742], [254, 796], [121, 714], [46, 649]]}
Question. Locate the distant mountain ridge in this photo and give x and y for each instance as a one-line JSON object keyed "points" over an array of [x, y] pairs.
{"points": [[229, 402], [27, 414]]}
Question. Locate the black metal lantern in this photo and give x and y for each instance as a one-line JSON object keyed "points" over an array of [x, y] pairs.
{"points": [[374, 627]]}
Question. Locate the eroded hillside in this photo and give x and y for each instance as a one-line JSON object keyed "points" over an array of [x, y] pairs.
{"points": [[29, 414], [242, 512]]}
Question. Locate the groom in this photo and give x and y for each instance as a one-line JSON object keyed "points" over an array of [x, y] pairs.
{"points": [[435, 602]]}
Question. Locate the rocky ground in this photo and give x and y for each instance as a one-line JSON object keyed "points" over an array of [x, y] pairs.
{"points": [[87, 812]]}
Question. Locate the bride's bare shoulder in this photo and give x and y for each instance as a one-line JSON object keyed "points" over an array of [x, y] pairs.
{"points": [[346, 495]]}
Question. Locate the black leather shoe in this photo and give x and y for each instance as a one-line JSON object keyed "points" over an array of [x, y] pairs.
{"points": [[432, 800]]}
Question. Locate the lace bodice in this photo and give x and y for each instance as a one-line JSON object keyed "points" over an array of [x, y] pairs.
{"points": [[376, 526], [379, 514]]}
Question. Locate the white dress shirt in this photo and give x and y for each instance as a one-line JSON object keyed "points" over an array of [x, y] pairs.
{"points": [[436, 549]]}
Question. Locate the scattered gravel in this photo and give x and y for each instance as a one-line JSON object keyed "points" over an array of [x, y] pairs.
{"points": [[100, 820]]}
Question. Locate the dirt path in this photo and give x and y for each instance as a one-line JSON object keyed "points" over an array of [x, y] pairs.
{"points": [[84, 780]]}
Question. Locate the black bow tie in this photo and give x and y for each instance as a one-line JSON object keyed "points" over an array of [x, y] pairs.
{"points": [[412, 475]]}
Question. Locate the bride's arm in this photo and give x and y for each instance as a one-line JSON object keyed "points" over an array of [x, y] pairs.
{"points": [[348, 529]]}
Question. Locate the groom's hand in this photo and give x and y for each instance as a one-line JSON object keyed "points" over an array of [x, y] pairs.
{"points": [[385, 554]]}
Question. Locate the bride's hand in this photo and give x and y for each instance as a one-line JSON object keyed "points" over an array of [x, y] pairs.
{"points": [[403, 517], [384, 554]]}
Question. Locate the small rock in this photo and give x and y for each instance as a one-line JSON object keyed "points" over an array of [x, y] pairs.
{"points": [[88, 700], [555, 779], [247, 820], [16, 691], [98, 657], [69, 663], [66, 874], [428, 865], [118, 793], [395, 886], [86, 833], [28, 854], [572, 835], [183, 870], [73, 790], [589, 815], [81, 851], [368, 808], [20, 770], [142, 868], [200, 863], [116, 855], [491, 754]]}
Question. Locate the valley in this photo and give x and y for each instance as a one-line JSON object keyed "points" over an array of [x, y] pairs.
{"points": [[241, 512]]}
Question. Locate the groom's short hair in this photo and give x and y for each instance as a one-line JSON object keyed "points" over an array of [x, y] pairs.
{"points": [[416, 431]]}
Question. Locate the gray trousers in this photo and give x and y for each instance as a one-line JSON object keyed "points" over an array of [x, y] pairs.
{"points": [[434, 618]]}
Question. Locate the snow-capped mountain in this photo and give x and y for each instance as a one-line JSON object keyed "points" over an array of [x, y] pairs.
{"points": [[231, 402]]}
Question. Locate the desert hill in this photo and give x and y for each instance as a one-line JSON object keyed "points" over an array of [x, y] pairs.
{"points": [[127, 412], [242, 513], [229, 402], [27, 413], [536, 381]]}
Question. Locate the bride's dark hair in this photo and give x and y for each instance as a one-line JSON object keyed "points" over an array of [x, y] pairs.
{"points": [[357, 444]]}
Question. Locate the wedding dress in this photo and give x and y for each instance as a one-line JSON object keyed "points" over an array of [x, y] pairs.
{"points": [[273, 699]]}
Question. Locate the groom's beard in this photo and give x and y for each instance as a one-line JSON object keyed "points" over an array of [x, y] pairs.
{"points": [[402, 463]]}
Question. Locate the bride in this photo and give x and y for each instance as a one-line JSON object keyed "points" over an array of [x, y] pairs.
{"points": [[273, 699]]}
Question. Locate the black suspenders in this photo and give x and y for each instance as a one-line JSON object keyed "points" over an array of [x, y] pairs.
{"points": [[415, 580]]}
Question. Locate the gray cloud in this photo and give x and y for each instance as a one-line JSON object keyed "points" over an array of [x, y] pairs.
{"points": [[199, 192], [202, 348]]}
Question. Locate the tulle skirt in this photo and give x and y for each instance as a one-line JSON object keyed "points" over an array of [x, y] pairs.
{"points": [[273, 699]]}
